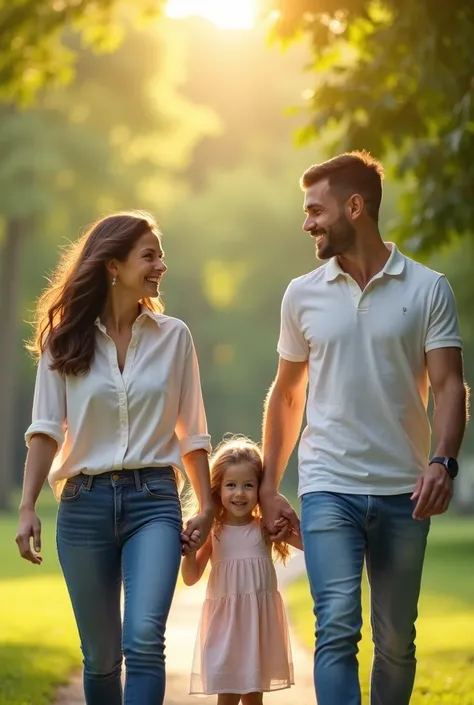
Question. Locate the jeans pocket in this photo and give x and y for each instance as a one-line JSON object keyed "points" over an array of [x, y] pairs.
{"points": [[72, 491], [161, 488]]}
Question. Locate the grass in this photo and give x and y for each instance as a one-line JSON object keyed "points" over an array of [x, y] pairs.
{"points": [[39, 645], [445, 640]]}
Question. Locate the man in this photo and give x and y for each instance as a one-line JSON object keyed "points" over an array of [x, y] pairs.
{"points": [[371, 330]]}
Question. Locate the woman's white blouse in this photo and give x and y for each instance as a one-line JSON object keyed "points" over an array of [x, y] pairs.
{"points": [[148, 416]]}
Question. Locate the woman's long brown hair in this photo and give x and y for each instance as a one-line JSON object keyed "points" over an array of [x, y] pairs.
{"points": [[68, 308]]}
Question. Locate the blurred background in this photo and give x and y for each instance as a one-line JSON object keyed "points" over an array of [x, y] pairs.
{"points": [[206, 112]]}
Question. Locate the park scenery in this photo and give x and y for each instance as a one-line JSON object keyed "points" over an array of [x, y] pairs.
{"points": [[205, 113]]}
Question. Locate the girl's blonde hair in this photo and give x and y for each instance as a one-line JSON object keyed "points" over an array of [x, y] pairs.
{"points": [[239, 449]]}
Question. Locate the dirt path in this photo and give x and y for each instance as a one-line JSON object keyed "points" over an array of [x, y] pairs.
{"points": [[180, 638]]}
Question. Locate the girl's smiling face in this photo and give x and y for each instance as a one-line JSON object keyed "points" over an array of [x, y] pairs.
{"points": [[239, 493]]}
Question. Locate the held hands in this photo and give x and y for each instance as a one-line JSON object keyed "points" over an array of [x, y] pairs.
{"points": [[29, 531], [283, 525], [433, 492], [196, 532], [278, 515]]}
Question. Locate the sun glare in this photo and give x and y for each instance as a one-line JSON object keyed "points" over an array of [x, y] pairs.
{"points": [[225, 14]]}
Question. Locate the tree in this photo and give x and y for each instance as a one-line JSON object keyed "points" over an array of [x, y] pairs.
{"points": [[82, 151], [34, 51], [398, 75]]}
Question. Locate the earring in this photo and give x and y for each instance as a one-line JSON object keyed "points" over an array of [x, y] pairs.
{"points": [[114, 281]]}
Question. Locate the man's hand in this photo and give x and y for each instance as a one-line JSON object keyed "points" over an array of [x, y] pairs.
{"points": [[196, 532], [278, 515], [433, 492]]}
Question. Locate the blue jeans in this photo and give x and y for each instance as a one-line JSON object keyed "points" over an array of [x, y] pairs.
{"points": [[114, 528], [339, 531]]}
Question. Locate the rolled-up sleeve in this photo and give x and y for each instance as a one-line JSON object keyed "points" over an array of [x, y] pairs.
{"points": [[49, 403], [443, 327], [191, 426]]}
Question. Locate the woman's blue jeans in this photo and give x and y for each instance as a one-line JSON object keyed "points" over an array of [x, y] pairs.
{"points": [[119, 528]]}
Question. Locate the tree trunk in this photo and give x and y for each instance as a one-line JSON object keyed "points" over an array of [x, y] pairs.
{"points": [[9, 318]]}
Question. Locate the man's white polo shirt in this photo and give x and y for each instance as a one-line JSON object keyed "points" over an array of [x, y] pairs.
{"points": [[367, 428]]}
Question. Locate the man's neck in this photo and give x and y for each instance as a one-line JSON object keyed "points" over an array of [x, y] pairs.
{"points": [[366, 260]]}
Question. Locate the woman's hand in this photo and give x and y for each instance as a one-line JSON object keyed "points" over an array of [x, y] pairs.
{"points": [[29, 531], [196, 531], [38, 462]]}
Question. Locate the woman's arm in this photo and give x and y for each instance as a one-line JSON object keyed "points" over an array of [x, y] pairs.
{"points": [[195, 445], [194, 564], [44, 437], [38, 463], [196, 465]]}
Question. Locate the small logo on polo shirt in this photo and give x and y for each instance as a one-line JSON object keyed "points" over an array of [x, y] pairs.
{"points": [[404, 310]]}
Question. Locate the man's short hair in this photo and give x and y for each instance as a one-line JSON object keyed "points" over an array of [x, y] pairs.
{"points": [[349, 173]]}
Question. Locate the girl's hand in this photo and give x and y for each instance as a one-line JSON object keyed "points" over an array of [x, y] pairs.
{"points": [[190, 544], [196, 531], [292, 535], [278, 515], [29, 528], [283, 529]]}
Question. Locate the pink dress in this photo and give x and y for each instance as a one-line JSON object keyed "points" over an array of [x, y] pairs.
{"points": [[243, 644]]}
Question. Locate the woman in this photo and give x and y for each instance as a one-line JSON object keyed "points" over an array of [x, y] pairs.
{"points": [[117, 416]]}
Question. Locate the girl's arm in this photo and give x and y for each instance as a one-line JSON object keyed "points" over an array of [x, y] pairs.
{"points": [[194, 564]]}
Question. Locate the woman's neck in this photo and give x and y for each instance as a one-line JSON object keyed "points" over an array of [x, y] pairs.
{"points": [[119, 314]]}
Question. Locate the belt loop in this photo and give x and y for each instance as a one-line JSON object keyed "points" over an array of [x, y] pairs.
{"points": [[138, 480], [90, 479]]}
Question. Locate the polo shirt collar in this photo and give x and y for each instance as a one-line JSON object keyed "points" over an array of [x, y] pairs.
{"points": [[393, 266]]}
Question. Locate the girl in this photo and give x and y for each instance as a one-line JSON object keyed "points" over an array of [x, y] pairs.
{"points": [[243, 647], [118, 418]]}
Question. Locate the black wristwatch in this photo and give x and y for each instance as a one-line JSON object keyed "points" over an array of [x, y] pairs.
{"points": [[451, 465]]}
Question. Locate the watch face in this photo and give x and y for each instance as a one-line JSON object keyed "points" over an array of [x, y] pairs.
{"points": [[452, 466]]}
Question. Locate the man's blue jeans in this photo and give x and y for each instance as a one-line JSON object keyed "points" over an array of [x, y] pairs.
{"points": [[121, 527], [339, 532]]}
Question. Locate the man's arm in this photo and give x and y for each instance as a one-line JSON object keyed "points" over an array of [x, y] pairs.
{"points": [[282, 420], [445, 369], [295, 540]]}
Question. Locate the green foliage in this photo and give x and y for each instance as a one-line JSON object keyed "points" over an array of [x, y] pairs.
{"points": [[235, 246], [120, 136], [397, 74], [33, 52]]}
